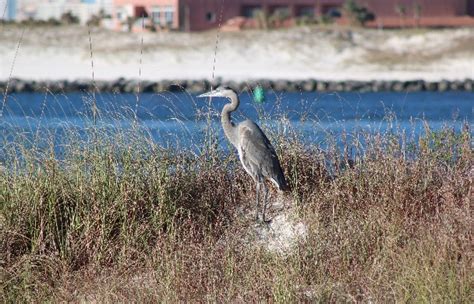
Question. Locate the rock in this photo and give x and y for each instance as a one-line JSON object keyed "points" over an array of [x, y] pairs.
{"points": [[456, 86], [172, 86], [17, 85], [388, 86], [331, 86], [414, 86], [196, 86], [175, 87], [378, 86], [183, 84], [163, 85], [322, 86], [120, 84], [100, 86], [339, 86], [215, 83], [237, 86], [352, 86], [293, 86], [265, 84], [53, 86], [148, 86], [443, 86], [398, 86], [308, 85], [28, 86], [246, 86], [468, 85], [280, 85], [365, 88], [431, 86], [130, 86]]}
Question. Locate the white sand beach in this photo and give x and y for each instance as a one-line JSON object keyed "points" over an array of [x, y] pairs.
{"points": [[53, 53]]}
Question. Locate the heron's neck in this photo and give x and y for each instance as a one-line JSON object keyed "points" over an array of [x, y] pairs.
{"points": [[229, 127]]}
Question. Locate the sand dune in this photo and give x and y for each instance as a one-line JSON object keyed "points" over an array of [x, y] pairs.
{"points": [[329, 54]]}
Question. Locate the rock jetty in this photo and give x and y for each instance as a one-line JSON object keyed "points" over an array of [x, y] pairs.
{"points": [[123, 85]]}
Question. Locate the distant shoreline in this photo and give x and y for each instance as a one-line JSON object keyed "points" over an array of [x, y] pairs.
{"points": [[123, 85], [326, 54]]}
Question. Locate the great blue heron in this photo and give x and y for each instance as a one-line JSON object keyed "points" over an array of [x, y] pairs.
{"points": [[255, 150]]}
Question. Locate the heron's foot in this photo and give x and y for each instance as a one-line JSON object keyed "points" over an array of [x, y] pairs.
{"points": [[263, 224], [263, 220]]}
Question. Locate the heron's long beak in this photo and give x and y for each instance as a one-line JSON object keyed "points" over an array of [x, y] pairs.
{"points": [[209, 94]]}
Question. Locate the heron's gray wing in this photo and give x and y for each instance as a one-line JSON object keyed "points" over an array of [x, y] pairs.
{"points": [[258, 154]]}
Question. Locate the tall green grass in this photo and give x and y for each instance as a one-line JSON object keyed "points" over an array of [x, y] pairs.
{"points": [[119, 217]]}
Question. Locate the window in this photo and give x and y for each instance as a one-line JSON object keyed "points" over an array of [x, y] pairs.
{"points": [[305, 11], [211, 17], [251, 11], [332, 11], [121, 15], [282, 12], [169, 14], [156, 14]]}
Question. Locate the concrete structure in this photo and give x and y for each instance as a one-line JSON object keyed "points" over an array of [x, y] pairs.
{"points": [[195, 15], [19, 10]]}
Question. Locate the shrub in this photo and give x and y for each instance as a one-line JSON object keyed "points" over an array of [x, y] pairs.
{"points": [[358, 14], [117, 216], [69, 18]]}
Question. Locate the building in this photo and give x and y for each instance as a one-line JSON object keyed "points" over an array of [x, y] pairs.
{"points": [[19, 10], [10, 9], [196, 15]]}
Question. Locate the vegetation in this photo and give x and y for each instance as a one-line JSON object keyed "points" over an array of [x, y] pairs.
{"points": [[96, 20], [417, 13], [359, 15], [401, 10], [66, 19], [325, 19], [115, 216], [278, 17], [69, 18]]}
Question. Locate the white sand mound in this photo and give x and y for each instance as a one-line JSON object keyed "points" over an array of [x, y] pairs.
{"points": [[284, 231], [282, 234]]}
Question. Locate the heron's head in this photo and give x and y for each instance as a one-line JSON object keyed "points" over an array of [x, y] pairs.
{"points": [[220, 92]]}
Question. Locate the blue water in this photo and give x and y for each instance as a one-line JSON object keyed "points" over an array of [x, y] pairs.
{"points": [[173, 119]]}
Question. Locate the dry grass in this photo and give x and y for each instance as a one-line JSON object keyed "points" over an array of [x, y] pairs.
{"points": [[125, 219]]}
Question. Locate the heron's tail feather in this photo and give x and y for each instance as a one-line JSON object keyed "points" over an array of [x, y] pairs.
{"points": [[284, 187], [281, 183]]}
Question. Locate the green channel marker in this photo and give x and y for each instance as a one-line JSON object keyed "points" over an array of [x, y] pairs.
{"points": [[259, 94]]}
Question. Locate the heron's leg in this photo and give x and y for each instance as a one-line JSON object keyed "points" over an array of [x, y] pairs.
{"points": [[257, 204], [265, 196]]}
